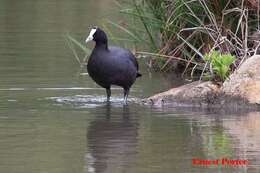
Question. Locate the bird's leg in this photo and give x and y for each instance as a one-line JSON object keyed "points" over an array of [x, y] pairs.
{"points": [[108, 94], [126, 92]]}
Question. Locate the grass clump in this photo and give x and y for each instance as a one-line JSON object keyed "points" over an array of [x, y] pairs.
{"points": [[178, 33]]}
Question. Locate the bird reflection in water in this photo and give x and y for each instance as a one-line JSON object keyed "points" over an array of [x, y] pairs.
{"points": [[112, 140]]}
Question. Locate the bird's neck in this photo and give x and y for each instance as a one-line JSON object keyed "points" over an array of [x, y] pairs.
{"points": [[101, 45]]}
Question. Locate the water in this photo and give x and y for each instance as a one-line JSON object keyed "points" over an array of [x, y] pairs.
{"points": [[54, 118]]}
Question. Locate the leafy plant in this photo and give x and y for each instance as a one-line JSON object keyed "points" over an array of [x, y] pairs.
{"points": [[219, 63]]}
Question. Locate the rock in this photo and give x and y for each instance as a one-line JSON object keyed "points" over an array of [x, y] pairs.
{"points": [[241, 90], [196, 94], [245, 82]]}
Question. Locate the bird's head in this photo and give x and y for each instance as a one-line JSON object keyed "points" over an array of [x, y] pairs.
{"points": [[98, 35]]}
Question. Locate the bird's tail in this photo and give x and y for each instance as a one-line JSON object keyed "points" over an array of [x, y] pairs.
{"points": [[138, 75]]}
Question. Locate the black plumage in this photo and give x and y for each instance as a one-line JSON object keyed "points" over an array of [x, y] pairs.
{"points": [[111, 65]]}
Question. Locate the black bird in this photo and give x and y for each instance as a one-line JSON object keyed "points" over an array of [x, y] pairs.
{"points": [[111, 65]]}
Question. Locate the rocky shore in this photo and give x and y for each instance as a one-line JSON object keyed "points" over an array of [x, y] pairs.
{"points": [[240, 90]]}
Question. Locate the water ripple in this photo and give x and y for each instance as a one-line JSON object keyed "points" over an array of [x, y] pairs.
{"points": [[91, 101]]}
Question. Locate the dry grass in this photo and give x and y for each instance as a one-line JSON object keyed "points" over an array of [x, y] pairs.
{"points": [[188, 29]]}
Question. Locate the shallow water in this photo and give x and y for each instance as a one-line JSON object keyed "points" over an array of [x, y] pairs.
{"points": [[54, 118]]}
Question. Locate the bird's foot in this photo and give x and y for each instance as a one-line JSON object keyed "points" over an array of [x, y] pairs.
{"points": [[125, 101]]}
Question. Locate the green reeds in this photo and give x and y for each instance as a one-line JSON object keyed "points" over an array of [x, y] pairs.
{"points": [[73, 44], [177, 34], [182, 31]]}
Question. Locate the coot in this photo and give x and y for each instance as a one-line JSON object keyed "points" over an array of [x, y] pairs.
{"points": [[111, 65]]}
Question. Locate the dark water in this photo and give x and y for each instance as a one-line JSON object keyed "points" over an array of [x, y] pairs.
{"points": [[54, 119]]}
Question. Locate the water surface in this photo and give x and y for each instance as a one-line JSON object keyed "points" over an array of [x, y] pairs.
{"points": [[54, 118]]}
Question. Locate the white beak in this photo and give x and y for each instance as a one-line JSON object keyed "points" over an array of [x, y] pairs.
{"points": [[91, 35], [88, 39]]}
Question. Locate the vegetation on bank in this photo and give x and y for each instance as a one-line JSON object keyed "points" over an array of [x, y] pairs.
{"points": [[205, 39], [182, 35], [219, 65]]}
